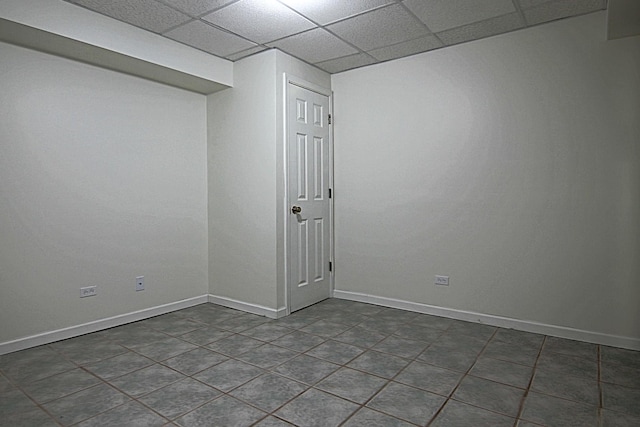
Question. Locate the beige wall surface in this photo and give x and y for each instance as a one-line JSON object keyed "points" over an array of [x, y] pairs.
{"points": [[102, 179], [510, 164]]}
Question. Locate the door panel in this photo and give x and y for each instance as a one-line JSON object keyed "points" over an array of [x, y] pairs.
{"points": [[308, 171]]}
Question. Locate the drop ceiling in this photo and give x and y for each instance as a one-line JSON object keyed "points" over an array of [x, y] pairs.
{"points": [[334, 35]]}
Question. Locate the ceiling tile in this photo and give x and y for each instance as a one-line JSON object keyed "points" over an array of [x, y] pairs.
{"points": [[245, 53], [411, 47], [478, 30], [148, 14], [210, 39], [326, 11], [346, 63], [313, 46], [259, 20], [379, 28], [196, 7], [561, 9], [442, 15]]}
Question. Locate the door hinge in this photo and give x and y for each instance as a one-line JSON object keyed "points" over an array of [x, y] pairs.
{"points": [[330, 193], [329, 118], [330, 266]]}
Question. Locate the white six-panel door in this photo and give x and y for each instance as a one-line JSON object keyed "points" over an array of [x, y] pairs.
{"points": [[309, 203]]}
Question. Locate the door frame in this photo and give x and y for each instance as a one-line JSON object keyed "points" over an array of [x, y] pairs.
{"points": [[297, 81]]}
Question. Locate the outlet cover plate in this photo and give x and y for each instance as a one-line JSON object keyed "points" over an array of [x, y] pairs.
{"points": [[88, 291], [442, 280], [139, 283]]}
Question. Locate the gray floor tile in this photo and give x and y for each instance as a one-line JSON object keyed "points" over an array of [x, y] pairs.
{"points": [[129, 414], [133, 335], [268, 392], [461, 415], [618, 419], [324, 328], [299, 341], [30, 418], [14, 402], [60, 385], [365, 309], [502, 371], [567, 387], [346, 318], [296, 320], [512, 352], [621, 399], [418, 333], [306, 369], [360, 337], [5, 384], [366, 417], [119, 365], [85, 404], [242, 322], [436, 322], [315, 408], [228, 375], [353, 385], [402, 347], [165, 348], [460, 341], [179, 398], [472, 329], [224, 411], [206, 335], [195, 361], [489, 395], [521, 338], [620, 374], [381, 326], [430, 378], [178, 326], [267, 332], [396, 315], [272, 422], [88, 349], [34, 364], [335, 352], [268, 356], [381, 364], [555, 412], [407, 403], [571, 348], [146, 380], [570, 365], [620, 356], [458, 359], [235, 345]]}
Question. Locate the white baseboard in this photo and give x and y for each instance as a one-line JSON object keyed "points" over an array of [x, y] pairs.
{"points": [[97, 325], [502, 322], [260, 310]]}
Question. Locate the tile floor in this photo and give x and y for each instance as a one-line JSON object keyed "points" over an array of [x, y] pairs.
{"points": [[335, 363]]}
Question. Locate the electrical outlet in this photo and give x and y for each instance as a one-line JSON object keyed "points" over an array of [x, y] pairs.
{"points": [[88, 291], [442, 280], [139, 283]]}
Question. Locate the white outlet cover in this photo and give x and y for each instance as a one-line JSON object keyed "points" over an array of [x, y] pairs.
{"points": [[88, 291], [442, 280], [139, 283]]}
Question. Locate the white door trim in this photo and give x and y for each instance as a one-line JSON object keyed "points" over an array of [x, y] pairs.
{"points": [[297, 81]]}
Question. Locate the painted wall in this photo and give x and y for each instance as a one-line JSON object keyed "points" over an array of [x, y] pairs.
{"points": [[246, 180], [102, 179], [242, 186], [511, 164]]}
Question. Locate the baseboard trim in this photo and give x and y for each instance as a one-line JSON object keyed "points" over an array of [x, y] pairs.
{"points": [[488, 319], [260, 310], [97, 325]]}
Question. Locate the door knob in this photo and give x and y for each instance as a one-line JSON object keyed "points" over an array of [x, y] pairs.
{"points": [[296, 209]]}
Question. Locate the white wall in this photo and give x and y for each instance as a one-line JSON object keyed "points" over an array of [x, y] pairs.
{"points": [[511, 164], [102, 179], [242, 185]]}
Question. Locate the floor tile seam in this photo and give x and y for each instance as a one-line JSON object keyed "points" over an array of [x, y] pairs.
{"points": [[470, 374], [475, 405], [36, 403], [172, 419], [167, 420], [589, 359], [272, 412], [533, 375], [515, 362], [100, 380]]}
